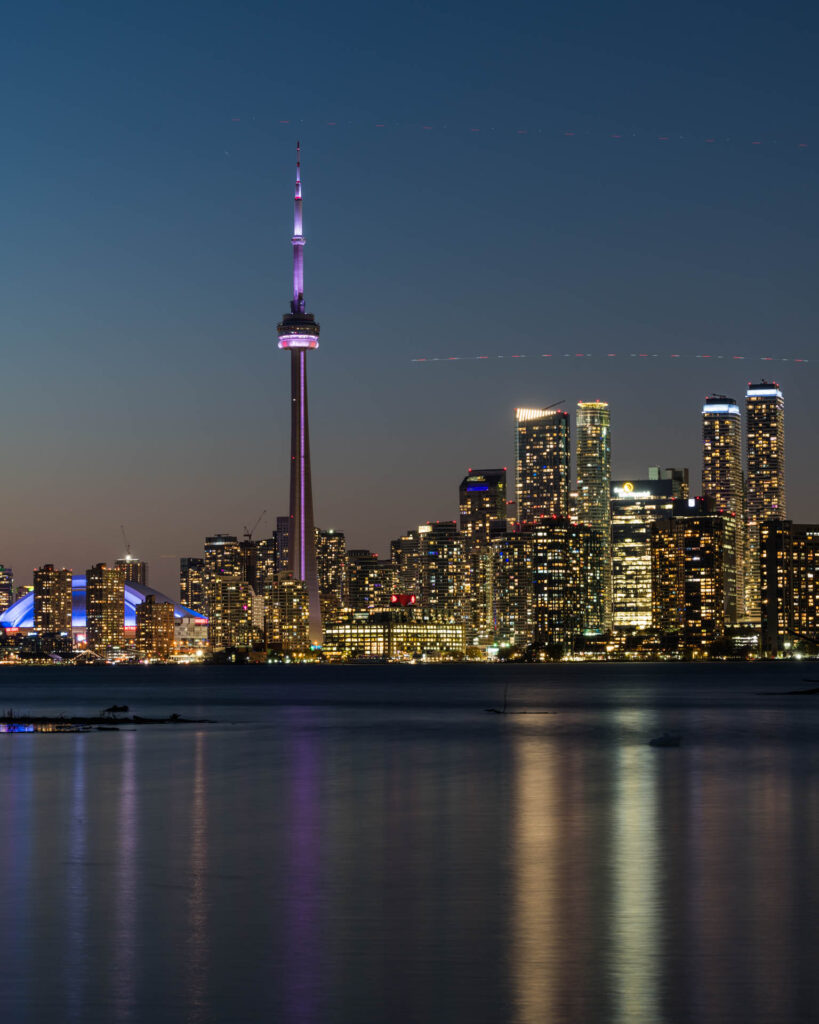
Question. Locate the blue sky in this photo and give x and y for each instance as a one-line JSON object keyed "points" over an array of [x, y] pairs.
{"points": [[145, 256]]}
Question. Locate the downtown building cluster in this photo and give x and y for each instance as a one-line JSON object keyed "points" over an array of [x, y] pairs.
{"points": [[576, 566]]}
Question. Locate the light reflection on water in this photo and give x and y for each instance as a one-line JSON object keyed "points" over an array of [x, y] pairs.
{"points": [[348, 854]]}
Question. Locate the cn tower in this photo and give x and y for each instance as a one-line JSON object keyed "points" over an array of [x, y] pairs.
{"points": [[299, 333]]}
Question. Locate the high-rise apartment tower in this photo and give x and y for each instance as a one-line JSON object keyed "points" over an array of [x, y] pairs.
{"points": [[722, 481]]}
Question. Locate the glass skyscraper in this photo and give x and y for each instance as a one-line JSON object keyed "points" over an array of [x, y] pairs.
{"points": [[594, 492], [542, 464], [765, 496]]}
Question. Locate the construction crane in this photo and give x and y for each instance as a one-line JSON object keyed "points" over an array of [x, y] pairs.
{"points": [[127, 545], [249, 533]]}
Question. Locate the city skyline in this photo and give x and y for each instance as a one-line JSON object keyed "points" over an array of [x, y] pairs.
{"points": [[167, 573], [145, 266]]}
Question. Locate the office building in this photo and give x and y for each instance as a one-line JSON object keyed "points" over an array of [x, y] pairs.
{"points": [[765, 479], [635, 505], [567, 582], [722, 480], [594, 495], [542, 463]]}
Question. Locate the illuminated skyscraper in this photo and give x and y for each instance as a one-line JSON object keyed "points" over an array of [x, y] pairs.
{"points": [[542, 463], [105, 609], [594, 493], [765, 494], [482, 505], [722, 481], [299, 334], [688, 570], [635, 505], [52, 600]]}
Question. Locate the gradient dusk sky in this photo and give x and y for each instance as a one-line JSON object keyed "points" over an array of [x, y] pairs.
{"points": [[146, 187]]}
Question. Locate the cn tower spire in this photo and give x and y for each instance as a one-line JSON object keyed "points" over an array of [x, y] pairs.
{"points": [[297, 303], [299, 334]]}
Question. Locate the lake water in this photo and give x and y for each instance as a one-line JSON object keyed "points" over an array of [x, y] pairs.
{"points": [[365, 845]]}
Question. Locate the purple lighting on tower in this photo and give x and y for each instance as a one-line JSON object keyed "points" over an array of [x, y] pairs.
{"points": [[299, 332]]}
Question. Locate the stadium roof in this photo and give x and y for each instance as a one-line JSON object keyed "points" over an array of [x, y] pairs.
{"points": [[20, 615]]}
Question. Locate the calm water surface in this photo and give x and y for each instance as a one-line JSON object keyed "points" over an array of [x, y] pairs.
{"points": [[356, 845]]}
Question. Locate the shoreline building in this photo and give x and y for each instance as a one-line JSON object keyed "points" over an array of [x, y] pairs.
{"points": [[789, 591], [635, 505], [542, 464], [722, 481], [298, 334], [594, 497], [765, 481]]}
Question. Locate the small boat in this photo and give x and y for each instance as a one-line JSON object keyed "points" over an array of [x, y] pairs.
{"points": [[668, 739]]}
